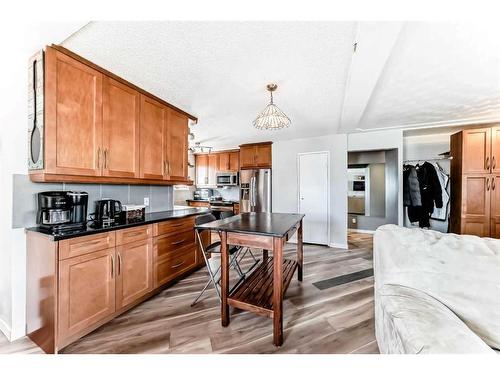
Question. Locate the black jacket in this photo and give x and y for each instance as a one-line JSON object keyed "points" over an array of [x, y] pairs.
{"points": [[430, 194]]}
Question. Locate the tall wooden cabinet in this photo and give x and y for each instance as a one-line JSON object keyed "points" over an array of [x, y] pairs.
{"points": [[475, 177], [100, 128]]}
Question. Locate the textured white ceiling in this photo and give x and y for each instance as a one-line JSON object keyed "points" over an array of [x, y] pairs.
{"points": [[428, 74], [218, 71], [438, 74]]}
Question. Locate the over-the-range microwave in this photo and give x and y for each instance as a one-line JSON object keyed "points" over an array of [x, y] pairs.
{"points": [[227, 179]]}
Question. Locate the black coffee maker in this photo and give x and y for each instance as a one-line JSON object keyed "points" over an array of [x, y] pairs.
{"points": [[62, 211], [107, 212]]}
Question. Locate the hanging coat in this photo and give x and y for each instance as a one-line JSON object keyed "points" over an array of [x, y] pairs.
{"points": [[430, 192], [411, 187], [442, 213]]}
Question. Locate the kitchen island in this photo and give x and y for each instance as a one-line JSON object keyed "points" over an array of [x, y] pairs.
{"points": [[262, 292]]}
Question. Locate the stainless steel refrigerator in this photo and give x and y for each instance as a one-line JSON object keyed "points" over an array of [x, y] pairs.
{"points": [[255, 190]]}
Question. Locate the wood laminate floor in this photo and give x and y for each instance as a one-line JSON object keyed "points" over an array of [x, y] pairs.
{"points": [[338, 319]]}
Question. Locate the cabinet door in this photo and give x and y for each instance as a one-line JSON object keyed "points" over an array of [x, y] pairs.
{"points": [[73, 115], [476, 205], [213, 165], [495, 206], [224, 161], [234, 161], [134, 271], [177, 146], [495, 149], [201, 166], [476, 151], [152, 139], [120, 129], [263, 156], [247, 156], [86, 291]]}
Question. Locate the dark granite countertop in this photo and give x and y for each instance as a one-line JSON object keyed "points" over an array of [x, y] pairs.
{"points": [[261, 223], [150, 218]]}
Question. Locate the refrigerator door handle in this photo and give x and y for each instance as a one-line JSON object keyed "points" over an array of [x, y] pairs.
{"points": [[252, 191]]}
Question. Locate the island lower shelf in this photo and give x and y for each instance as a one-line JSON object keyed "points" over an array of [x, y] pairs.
{"points": [[255, 294]]}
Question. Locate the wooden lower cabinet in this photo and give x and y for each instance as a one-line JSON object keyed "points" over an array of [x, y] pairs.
{"points": [[476, 205], [86, 291], [198, 204], [134, 271], [78, 284]]}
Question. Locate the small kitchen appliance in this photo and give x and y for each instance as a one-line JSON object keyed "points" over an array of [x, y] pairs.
{"points": [[133, 213], [107, 212], [227, 179], [62, 211], [202, 194]]}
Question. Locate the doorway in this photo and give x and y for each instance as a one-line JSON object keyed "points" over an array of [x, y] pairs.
{"points": [[313, 195]]}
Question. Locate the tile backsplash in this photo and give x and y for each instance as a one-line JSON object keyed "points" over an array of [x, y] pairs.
{"points": [[25, 204]]}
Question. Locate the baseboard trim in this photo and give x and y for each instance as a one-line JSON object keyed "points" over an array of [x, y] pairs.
{"points": [[362, 231], [338, 245], [5, 329]]}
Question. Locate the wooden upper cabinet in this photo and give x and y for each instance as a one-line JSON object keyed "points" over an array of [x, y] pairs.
{"points": [[247, 157], [152, 139], [201, 167], [177, 146], [234, 161], [476, 156], [86, 291], [258, 155], [213, 167], [495, 149], [224, 161], [229, 161], [134, 271], [121, 109], [99, 128], [263, 156], [73, 113]]}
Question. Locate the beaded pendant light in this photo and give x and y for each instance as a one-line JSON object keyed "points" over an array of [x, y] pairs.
{"points": [[271, 117]]}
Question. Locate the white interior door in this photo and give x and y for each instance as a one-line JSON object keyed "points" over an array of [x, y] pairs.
{"points": [[313, 196]]}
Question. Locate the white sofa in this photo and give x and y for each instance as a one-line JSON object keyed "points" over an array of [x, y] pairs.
{"points": [[436, 292]]}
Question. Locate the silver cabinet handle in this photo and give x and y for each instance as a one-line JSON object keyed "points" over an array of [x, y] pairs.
{"points": [[488, 184], [98, 157], [119, 264], [487, 162], [112, 267], [177, 242], [106, 158], [179, 264]]}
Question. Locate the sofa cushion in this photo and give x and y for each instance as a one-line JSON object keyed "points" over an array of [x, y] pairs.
{"points": [[414, 322], [461, 272]]}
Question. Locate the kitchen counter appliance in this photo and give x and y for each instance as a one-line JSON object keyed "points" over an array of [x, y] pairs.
{"points": [[61, 211], [107, 212], [202, 194], [227, 179], [255, 190]]}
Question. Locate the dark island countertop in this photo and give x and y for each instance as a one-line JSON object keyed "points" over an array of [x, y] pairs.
{"points": [[260, 223], [150, 218]]}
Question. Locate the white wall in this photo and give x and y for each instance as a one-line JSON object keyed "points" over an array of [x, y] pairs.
{"points": [[22, 41], [285, 179], [382, 140]]}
